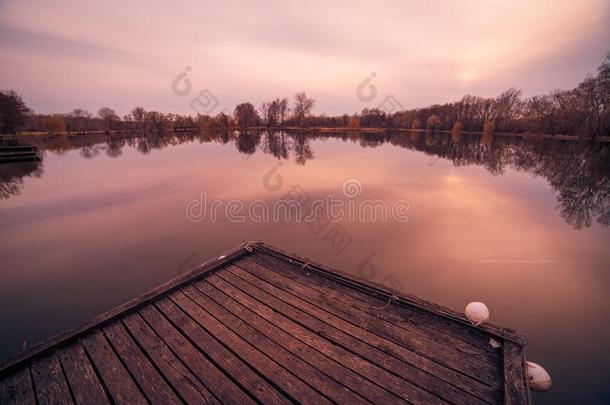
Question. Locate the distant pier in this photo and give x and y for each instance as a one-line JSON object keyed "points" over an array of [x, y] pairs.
{"points": [[11, 154]]}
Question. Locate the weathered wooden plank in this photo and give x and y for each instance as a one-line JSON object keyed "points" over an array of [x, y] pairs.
{"points": [[383, 292], [407, 339], [83, 381], [190, 389], [352, 351], [208, 373], [415, 320], [422, 372], [154, 387], [17, 389], [436, 325], [121, 387], [238, 369], [295, 365], [49, 381], [515, 382], [287, 382], [330, 367]]}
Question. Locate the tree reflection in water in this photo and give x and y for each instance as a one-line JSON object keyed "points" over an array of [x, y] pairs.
{"points": [[579, 172], [12, 175]]}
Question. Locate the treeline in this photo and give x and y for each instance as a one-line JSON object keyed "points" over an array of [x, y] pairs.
{"points": [[584, 111]]}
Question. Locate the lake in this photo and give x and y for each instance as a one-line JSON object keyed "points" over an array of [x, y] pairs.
{"points": [[521, 225]]}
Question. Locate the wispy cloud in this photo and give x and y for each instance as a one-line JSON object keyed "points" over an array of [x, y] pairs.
{"points": [[126, 53]]}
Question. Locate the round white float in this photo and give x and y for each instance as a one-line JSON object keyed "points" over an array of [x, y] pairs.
{"points": [[477, 312], [539, 379]]}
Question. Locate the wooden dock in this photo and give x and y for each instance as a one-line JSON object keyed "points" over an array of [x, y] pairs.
{"points": [[258, 325], [11, 154]]}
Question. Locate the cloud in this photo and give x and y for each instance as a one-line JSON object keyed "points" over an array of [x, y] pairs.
{"points": [[127, 53]]}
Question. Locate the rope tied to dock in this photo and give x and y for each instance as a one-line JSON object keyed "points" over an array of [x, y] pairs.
{"points": [[390, 299]]}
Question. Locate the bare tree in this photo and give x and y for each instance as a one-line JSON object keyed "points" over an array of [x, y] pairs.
{"points": [[108, 117], [81, 118], [507, 108], [283, 110], [139, 114], [302, 107]]}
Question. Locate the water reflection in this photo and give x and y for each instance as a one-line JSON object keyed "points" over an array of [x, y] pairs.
{"points": [[579, 172], [12, 175]]}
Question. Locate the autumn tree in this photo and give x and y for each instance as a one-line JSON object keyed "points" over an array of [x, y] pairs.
{"points": [[53, 123], [302, 107], [488, 132], [246, 116], [353, 123], [433, 122], [13, 112], [456, 132]]}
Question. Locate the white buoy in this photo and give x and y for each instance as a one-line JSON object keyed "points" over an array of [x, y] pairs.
{"points": [[539, 379], [477, 313]]}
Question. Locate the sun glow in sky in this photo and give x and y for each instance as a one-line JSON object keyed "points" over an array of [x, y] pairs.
{"points": [[65, 54]]}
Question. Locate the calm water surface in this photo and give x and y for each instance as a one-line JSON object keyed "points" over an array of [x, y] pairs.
{"points": [[516, 224]]}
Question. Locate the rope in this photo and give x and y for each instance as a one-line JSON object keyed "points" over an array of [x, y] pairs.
{"points": [[392, 298]]}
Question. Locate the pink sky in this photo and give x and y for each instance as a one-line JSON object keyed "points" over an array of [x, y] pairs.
{"points": [[65, 54]]}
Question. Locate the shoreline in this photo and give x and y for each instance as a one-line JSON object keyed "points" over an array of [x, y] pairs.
{"points": [[380, 131]]}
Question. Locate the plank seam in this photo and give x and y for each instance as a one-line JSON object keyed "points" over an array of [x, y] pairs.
{"points": [[122, 361], [33, 385], [176, 354], [389, 353], [345, 318], [206, 355], [254, 369], [347, 348], [97, 372], [258, 350], [317, 287], [63, 372], [329, 342], [271, 337], [370, 287], [149, 359]]}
